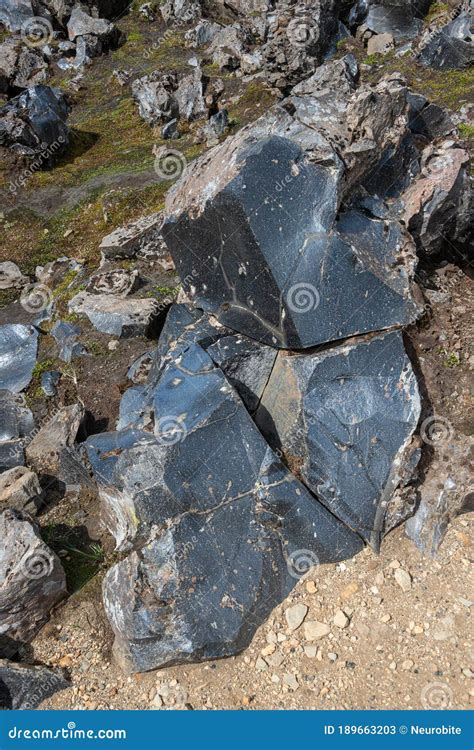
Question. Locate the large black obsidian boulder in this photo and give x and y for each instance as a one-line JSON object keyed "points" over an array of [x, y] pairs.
{"points": [[34, 124]]}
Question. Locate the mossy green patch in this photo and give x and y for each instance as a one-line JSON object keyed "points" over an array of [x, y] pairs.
{"points": [[81, 558]]}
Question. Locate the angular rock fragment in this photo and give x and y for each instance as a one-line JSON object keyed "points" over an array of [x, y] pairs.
{"points": [[154, 95], [444, 494], [139, 369], [437, 203], [18, 349], [117, 316], [66, 335], [118, 281], [93, 36], [298, 36], [44, 451], [16, 424], [11, 277], [227, 46], [20, 490], [33, 124], [32, 581], [162, 97], [239, 524], [182, 11], [24, 686], [203, 33], [427, 119], [20, 66], [14, 13], [246, 363], [142, 237], [261, 211], [452, 46], [344, 420], [399, 21], [49, 382]]}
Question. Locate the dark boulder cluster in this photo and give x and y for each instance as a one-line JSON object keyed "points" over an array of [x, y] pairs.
{"points": [[274, 427], [32, 580], [33, 123], [275, 423]]}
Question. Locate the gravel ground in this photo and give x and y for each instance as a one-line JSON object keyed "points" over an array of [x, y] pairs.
{"points": [[385, 640]]}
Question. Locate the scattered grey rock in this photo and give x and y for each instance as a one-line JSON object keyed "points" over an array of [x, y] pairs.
{"points": [[44, 451], [49, 382], [140, 238], [116, 316], [32, 581], [16, 424], [18, 349], [180, 11], [450, 47], [170, 129], [314, 630], [20, 490], [215, 127], [444, 494], [228, 45], [20, 66], [189, 95], [11, 277], [14, 13], [118, 281], [345, 418], [140, 368], [24, 686], [437, 203], [403, 578], [295, 615], [33, 124], [380, 44], [66, 335], [99, 33], [155, 97], [202, 34], [298, 36]]}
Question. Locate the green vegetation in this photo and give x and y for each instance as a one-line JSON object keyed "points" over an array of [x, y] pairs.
{"points": [[466, 130], [437, 10], [81, 558]]}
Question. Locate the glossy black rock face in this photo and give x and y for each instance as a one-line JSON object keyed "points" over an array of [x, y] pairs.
{"points": [[34, 123], [268, 258], [237, 520], [24, 687], [18, 348], [345, 419], [451, 47]]}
